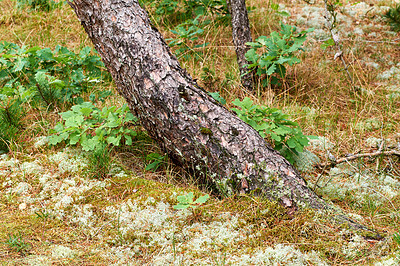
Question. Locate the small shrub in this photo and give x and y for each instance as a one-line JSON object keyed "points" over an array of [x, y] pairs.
{"points": [[277, 51], [48, 77], [286, 135], [187, 201], [93, 128]]}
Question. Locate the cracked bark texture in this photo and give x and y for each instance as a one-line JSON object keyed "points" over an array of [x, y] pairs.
{"points": [[241, 34], [196, 131]]}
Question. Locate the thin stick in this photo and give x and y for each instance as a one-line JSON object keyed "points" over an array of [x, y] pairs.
{"points": [[356, 156]]}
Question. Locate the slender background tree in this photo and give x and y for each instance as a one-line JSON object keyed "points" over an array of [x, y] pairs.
{"points": [[241, 34]]}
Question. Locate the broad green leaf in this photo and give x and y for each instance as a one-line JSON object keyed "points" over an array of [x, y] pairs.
{"points": [[129, 117], [255, 45], [275, 137], [19, 64], [283, 59], [202, 199], [59, 127], [284, 13], [74, 138], [271, 70], [41, 78], [54, 139], [327, 43], [188, 198], [266, 61], [112, 121], [299, 148], [85, 52], [74, 121], [217, 97], [303, 140], [57, 82], [32, 50], [292, 143], [45, 54], [114, 140], [252, 56], [152, 166], [282, 130], [128, 140], [67, 114], [89, 144], [86, 111], [262, 40]]}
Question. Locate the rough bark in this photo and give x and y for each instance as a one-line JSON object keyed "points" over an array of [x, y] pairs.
{"points": [[196, 131], [241, 34]]}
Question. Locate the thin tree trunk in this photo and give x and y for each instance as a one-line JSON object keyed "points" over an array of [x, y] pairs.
{"points": [[241, 34], [196, 131]]}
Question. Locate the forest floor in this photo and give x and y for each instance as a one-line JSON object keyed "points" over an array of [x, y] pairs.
{"points": [[52, 212]]}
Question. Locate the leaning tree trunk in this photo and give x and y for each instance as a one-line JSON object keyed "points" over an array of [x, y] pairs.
{"points": [[241, 34], [196, 131]]}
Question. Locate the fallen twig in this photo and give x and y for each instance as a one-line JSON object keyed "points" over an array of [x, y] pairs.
{"points": [[394, 41], [360, 155]]}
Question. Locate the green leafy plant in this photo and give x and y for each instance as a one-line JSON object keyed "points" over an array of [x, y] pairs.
{"points": [[393, 17], [92, 128], [16, 243], [42, 5], [286, 135], [328, 43], [156, 160], [187, 201], [216, 96], [186, 33], [278, 50], [46, 76]]}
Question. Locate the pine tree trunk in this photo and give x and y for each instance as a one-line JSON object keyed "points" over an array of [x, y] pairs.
{"points": [[196, 131], [241, 34]]}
